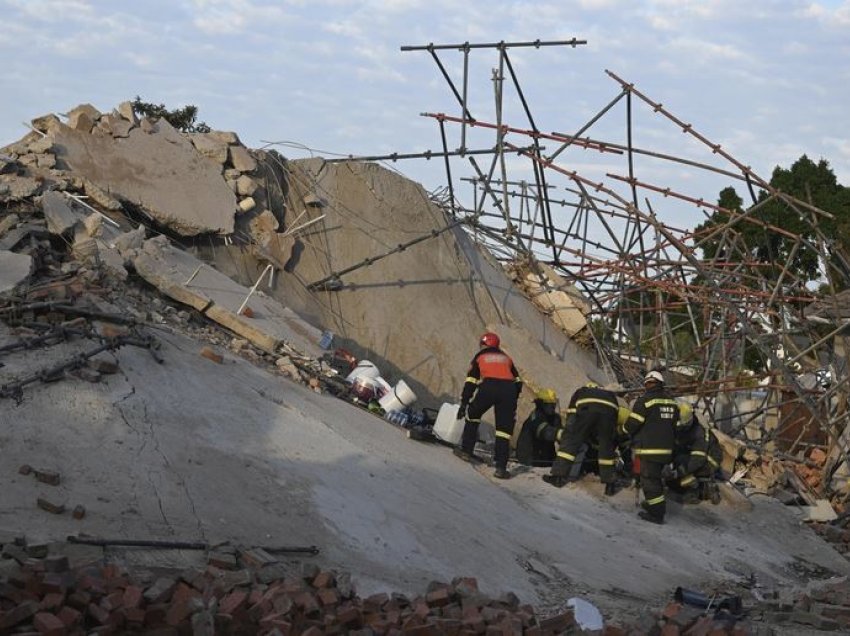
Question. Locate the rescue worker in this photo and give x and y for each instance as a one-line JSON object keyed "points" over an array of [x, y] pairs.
{"points": [[652, 425], [492, 381], [696, 459], [591, 416], [535, 445]]}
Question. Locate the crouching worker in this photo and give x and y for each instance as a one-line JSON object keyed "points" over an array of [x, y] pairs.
{"points": [[492, 381], [652, 425], [536, 442], [697, 458], [592, 415]]}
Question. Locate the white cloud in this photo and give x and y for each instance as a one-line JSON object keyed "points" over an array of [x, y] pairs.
{"points": [[225, 17]]}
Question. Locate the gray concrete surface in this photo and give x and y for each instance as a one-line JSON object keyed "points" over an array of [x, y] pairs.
{"points": [[14, 270], [195, 450]]}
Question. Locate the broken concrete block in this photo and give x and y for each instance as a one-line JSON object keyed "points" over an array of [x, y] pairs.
{"points": [[8, 223], [15, 269], [46, 161], [147, 126], [125, 109], [19, 188], [232, 174], [85, 250], [209, 354], [223, 136], [120, 127], [247, 204], [90, 111], [822, 510], [44, 144], [160, 171], [111, 260], [129, 242], [242, 159], [49, 506], [81, 121], [246, 186], [263, 227], [61, 217], [46, 123], [96, 193], [210, 147]]}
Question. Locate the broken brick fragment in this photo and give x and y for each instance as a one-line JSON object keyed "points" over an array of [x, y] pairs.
{"points": [[78, 512], [209, 354], [49, 506], [50, 477], [25, 469], [48, 624]]}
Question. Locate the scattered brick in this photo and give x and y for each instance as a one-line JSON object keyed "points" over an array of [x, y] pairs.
{"points": [[209, 354], [25, 469], [48, 477], [49, 506], [78, 512]]}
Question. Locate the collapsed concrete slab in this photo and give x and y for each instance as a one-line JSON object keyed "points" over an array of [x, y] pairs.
{"points": [[186, 279], [159, 170], [14, 270]]}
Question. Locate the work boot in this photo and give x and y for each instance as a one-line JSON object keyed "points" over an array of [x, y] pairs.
{"points": [[502, 473], [648, 516], [715, 494], [611, 489], [462, 454], [691, 497], [555, 480]]}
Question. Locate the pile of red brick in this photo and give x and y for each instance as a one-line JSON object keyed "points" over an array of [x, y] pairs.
{"points": [[811, 471], [836, 532], [824, 607], [46, 596], [41, 594]]}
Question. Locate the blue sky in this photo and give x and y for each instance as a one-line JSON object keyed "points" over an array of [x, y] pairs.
{"points": [[769, 80]]}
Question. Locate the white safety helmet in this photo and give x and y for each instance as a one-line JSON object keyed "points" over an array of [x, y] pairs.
{"points": [[654, 376]]}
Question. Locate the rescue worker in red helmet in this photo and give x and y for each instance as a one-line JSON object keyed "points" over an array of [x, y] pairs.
{"points": [[591, 416], [491, 382], [652, 425]]}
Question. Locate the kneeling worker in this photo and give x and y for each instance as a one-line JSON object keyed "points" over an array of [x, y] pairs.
{"points": [[697, 457], [492, 381], [535, 445], [592, 414]]}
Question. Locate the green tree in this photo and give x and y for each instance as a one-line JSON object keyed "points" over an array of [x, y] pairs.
{"points": [[183, 119], [759, 241]]}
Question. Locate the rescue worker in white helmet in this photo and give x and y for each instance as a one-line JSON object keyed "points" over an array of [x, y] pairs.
{"points": [[535, 444], [696, 458], [652, 425], [491, 382], [591, 415]]}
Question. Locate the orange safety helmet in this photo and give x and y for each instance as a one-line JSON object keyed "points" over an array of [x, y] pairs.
{"points": [[490, 339]]}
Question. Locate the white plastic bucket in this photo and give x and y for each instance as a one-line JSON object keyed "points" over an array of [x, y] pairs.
{"points": [[447, 426], [364, 369], [400, 397]]}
